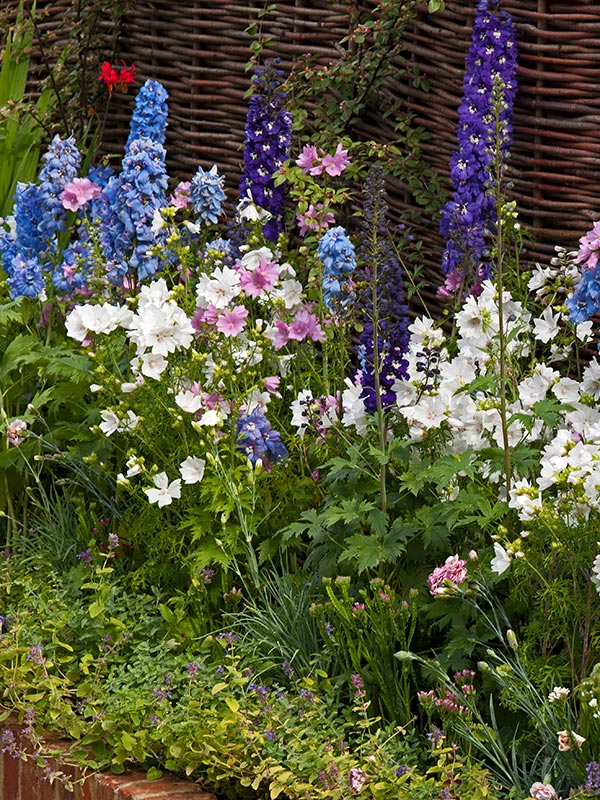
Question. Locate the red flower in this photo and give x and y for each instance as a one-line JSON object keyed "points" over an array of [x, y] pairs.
{"points": [[120, 80]]}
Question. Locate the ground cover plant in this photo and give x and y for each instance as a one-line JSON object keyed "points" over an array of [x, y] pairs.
{"points": [[263, 526]]}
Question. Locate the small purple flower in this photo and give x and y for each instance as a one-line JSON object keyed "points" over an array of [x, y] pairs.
{"points": [[192, 669], [36, 655]]}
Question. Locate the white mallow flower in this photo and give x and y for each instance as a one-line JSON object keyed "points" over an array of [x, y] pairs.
{"points": [[566, 390], [584, 330], [526, 498], [429, 412], [590, 381], [165, 492], [595, 573], [354, 412], [547, 327], [192, 469], [105, 318], [289, 292], [155, 293], [219, 288], [535, 388], [423, 331], [110, 422], [162, 329], [152, 365], [188, 401], [252, 258], [158, 222], [501, 560]]}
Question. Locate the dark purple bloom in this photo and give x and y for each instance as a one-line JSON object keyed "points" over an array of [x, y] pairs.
{"points": [[388, 320], [256, 438], [268, 134], [469, 218]]}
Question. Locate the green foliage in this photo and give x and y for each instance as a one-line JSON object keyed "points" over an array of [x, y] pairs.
{"points": [[22, 120], [82, 658]]}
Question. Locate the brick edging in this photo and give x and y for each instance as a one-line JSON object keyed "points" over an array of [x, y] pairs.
{"points": [[21, 778]]}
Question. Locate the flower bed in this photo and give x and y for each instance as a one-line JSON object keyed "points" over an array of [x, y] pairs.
{"points": [[265, 529]]}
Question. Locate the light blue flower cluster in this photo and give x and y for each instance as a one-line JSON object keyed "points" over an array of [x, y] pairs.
{"points": [[38, 218], [149, 118], [207, 195], [126, 209], [62, 162], [337, 253]]}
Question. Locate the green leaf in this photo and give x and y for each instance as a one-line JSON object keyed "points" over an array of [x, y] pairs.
{"points": [[153, 774]]}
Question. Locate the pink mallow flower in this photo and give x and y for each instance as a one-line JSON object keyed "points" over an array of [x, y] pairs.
{"points": [[232, 321], [310, 158], [454, 571], [78, 192], [589, 248], [314, 219], [181, 195], [260, 279], [334, 165], [306, 326]]}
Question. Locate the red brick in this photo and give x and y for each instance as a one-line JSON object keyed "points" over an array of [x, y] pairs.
{"points": [[10, 784]]}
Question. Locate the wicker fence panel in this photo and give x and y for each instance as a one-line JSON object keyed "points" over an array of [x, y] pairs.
{"points": [[200, 51]]}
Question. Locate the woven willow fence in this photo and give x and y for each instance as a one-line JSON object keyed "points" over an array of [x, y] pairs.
{"points": [[199, 50]]}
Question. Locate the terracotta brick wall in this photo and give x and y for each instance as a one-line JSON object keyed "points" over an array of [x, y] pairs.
{"points": [[23, 779]]}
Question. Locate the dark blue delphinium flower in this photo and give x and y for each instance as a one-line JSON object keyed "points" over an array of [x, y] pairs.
{"points": [[206, 195], [268, 135], [256, 439], [337, 253], [391, 312], [149, 118], [469, 217], [25, 277]]}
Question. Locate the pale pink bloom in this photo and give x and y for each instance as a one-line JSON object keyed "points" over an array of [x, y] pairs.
{"points": [[314, 219], [261, 279], [589, 248], [78, 192], [181, 195], [165, 492], [14, 430], [334, 165], [272, 383], [232, 321], [567, 740], [453, 571], [110, 422], [357, 779], [306, 326], [308, 158], [542, 791]]}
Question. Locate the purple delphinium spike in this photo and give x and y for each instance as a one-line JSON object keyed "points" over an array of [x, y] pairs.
{"points": [[469, 217], [268, 135], [392, 311]]}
